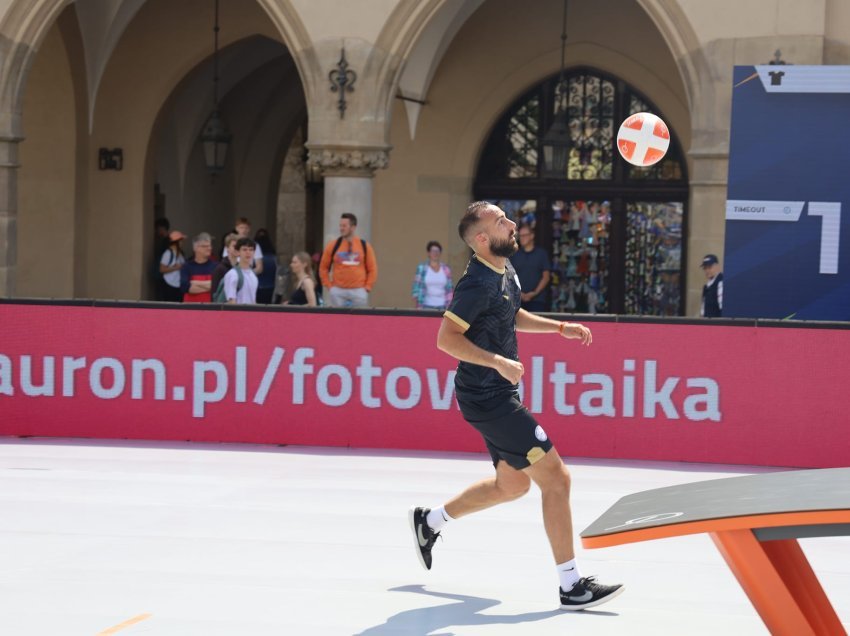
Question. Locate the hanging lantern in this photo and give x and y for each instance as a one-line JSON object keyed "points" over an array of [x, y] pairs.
{"points": [[556, 148], [216, 140], [214, 136], [557, 140]]}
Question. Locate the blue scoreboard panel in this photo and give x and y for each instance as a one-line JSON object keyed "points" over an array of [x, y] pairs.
{"points": [[787, 252]]}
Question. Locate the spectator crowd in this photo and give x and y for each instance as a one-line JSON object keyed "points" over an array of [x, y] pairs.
{"points": [[342, 275]]}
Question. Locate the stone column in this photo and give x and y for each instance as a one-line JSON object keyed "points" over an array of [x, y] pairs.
{"points": [[292, 203], [348, 175], [8, 214], [707, 218]]}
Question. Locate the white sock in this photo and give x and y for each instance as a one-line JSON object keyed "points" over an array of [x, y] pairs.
{"points": [[569, 574], [437, 518]]}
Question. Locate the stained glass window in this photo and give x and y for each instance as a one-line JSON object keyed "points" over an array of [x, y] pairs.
{"points": [[613, 231], [653, 258], [523, 129], [590, 108], [580, 256]]}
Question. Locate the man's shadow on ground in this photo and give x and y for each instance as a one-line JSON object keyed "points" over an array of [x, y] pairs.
{"points": [[466, 612]]}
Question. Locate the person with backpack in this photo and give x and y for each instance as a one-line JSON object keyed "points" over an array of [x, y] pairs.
{"points": [[231, 258], [348, 268], [161, 243], [170, 263], [240, 283]]}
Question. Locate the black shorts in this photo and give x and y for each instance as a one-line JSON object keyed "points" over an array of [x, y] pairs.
{"points": [[509, 430]]}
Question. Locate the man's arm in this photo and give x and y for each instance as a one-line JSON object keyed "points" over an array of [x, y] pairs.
{"points": [[230, 286], [541, 285], [532, 323], [200, 286], [185, 283], [544, 282], [325, 267], [371, 267], [451, 340]]}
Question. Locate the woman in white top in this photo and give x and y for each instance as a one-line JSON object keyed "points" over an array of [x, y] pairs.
{"points": [[169, 266], [432, 284]]}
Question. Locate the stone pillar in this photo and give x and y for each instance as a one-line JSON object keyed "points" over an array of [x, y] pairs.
{"points": [[8, 214], [348, 194], [291, 234], [348, 184], [707, 218]]}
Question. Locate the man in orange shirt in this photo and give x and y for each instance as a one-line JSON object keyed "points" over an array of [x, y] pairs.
{"points": [[348, 268]]}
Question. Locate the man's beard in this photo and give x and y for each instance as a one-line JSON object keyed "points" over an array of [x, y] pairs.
{"points": [[506, 248]]}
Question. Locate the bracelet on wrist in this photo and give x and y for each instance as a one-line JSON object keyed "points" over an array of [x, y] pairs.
{"points": [[561, 327]]}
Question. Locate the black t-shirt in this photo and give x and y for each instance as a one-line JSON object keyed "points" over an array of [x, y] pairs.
{"points": [[529, 267], [486, 301]]}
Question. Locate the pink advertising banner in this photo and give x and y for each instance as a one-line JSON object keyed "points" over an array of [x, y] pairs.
{"points": [[679, 392]]}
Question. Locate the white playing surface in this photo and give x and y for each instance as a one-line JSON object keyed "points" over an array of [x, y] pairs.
{"points": [[238, 540]]}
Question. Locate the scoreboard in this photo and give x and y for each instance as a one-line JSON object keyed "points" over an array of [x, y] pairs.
{"points": [[787, 251]]}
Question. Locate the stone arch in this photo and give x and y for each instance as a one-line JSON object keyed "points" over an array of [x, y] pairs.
{"points": [[682, 41], [687, 51], [26, 22], [416, 36], [23, 26], [261, 78]]}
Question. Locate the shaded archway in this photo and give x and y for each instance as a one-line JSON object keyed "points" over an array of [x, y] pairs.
{"points": [[262, 104], [25, 24], [498, 54]]}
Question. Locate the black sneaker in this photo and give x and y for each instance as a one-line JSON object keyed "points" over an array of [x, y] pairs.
{"points": [[423, 536], [588, 593]]}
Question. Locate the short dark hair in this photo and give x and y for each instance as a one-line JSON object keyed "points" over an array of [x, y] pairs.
{"points": [[350, 217], [162, 222], [433, 244], [470, 218], [245, 242], [263, 239]]}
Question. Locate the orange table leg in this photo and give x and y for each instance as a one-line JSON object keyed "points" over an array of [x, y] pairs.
{"points": [[764, 586], [792, 565]]}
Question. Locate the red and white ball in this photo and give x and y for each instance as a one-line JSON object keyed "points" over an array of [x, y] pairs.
{"points": [[643, 139]]}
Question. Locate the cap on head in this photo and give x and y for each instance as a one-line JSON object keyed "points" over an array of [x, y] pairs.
{"points": [[709, 260], [176, 235]]}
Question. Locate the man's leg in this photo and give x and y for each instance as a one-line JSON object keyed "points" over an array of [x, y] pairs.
{"points": [[359, 297], [337, 296], [508, 484], [553, 478]]}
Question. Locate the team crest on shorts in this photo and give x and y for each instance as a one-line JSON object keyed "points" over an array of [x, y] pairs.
{"points": [[540, 434]]}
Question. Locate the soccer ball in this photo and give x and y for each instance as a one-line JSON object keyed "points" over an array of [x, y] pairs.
{"points": [[643, 139]]}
